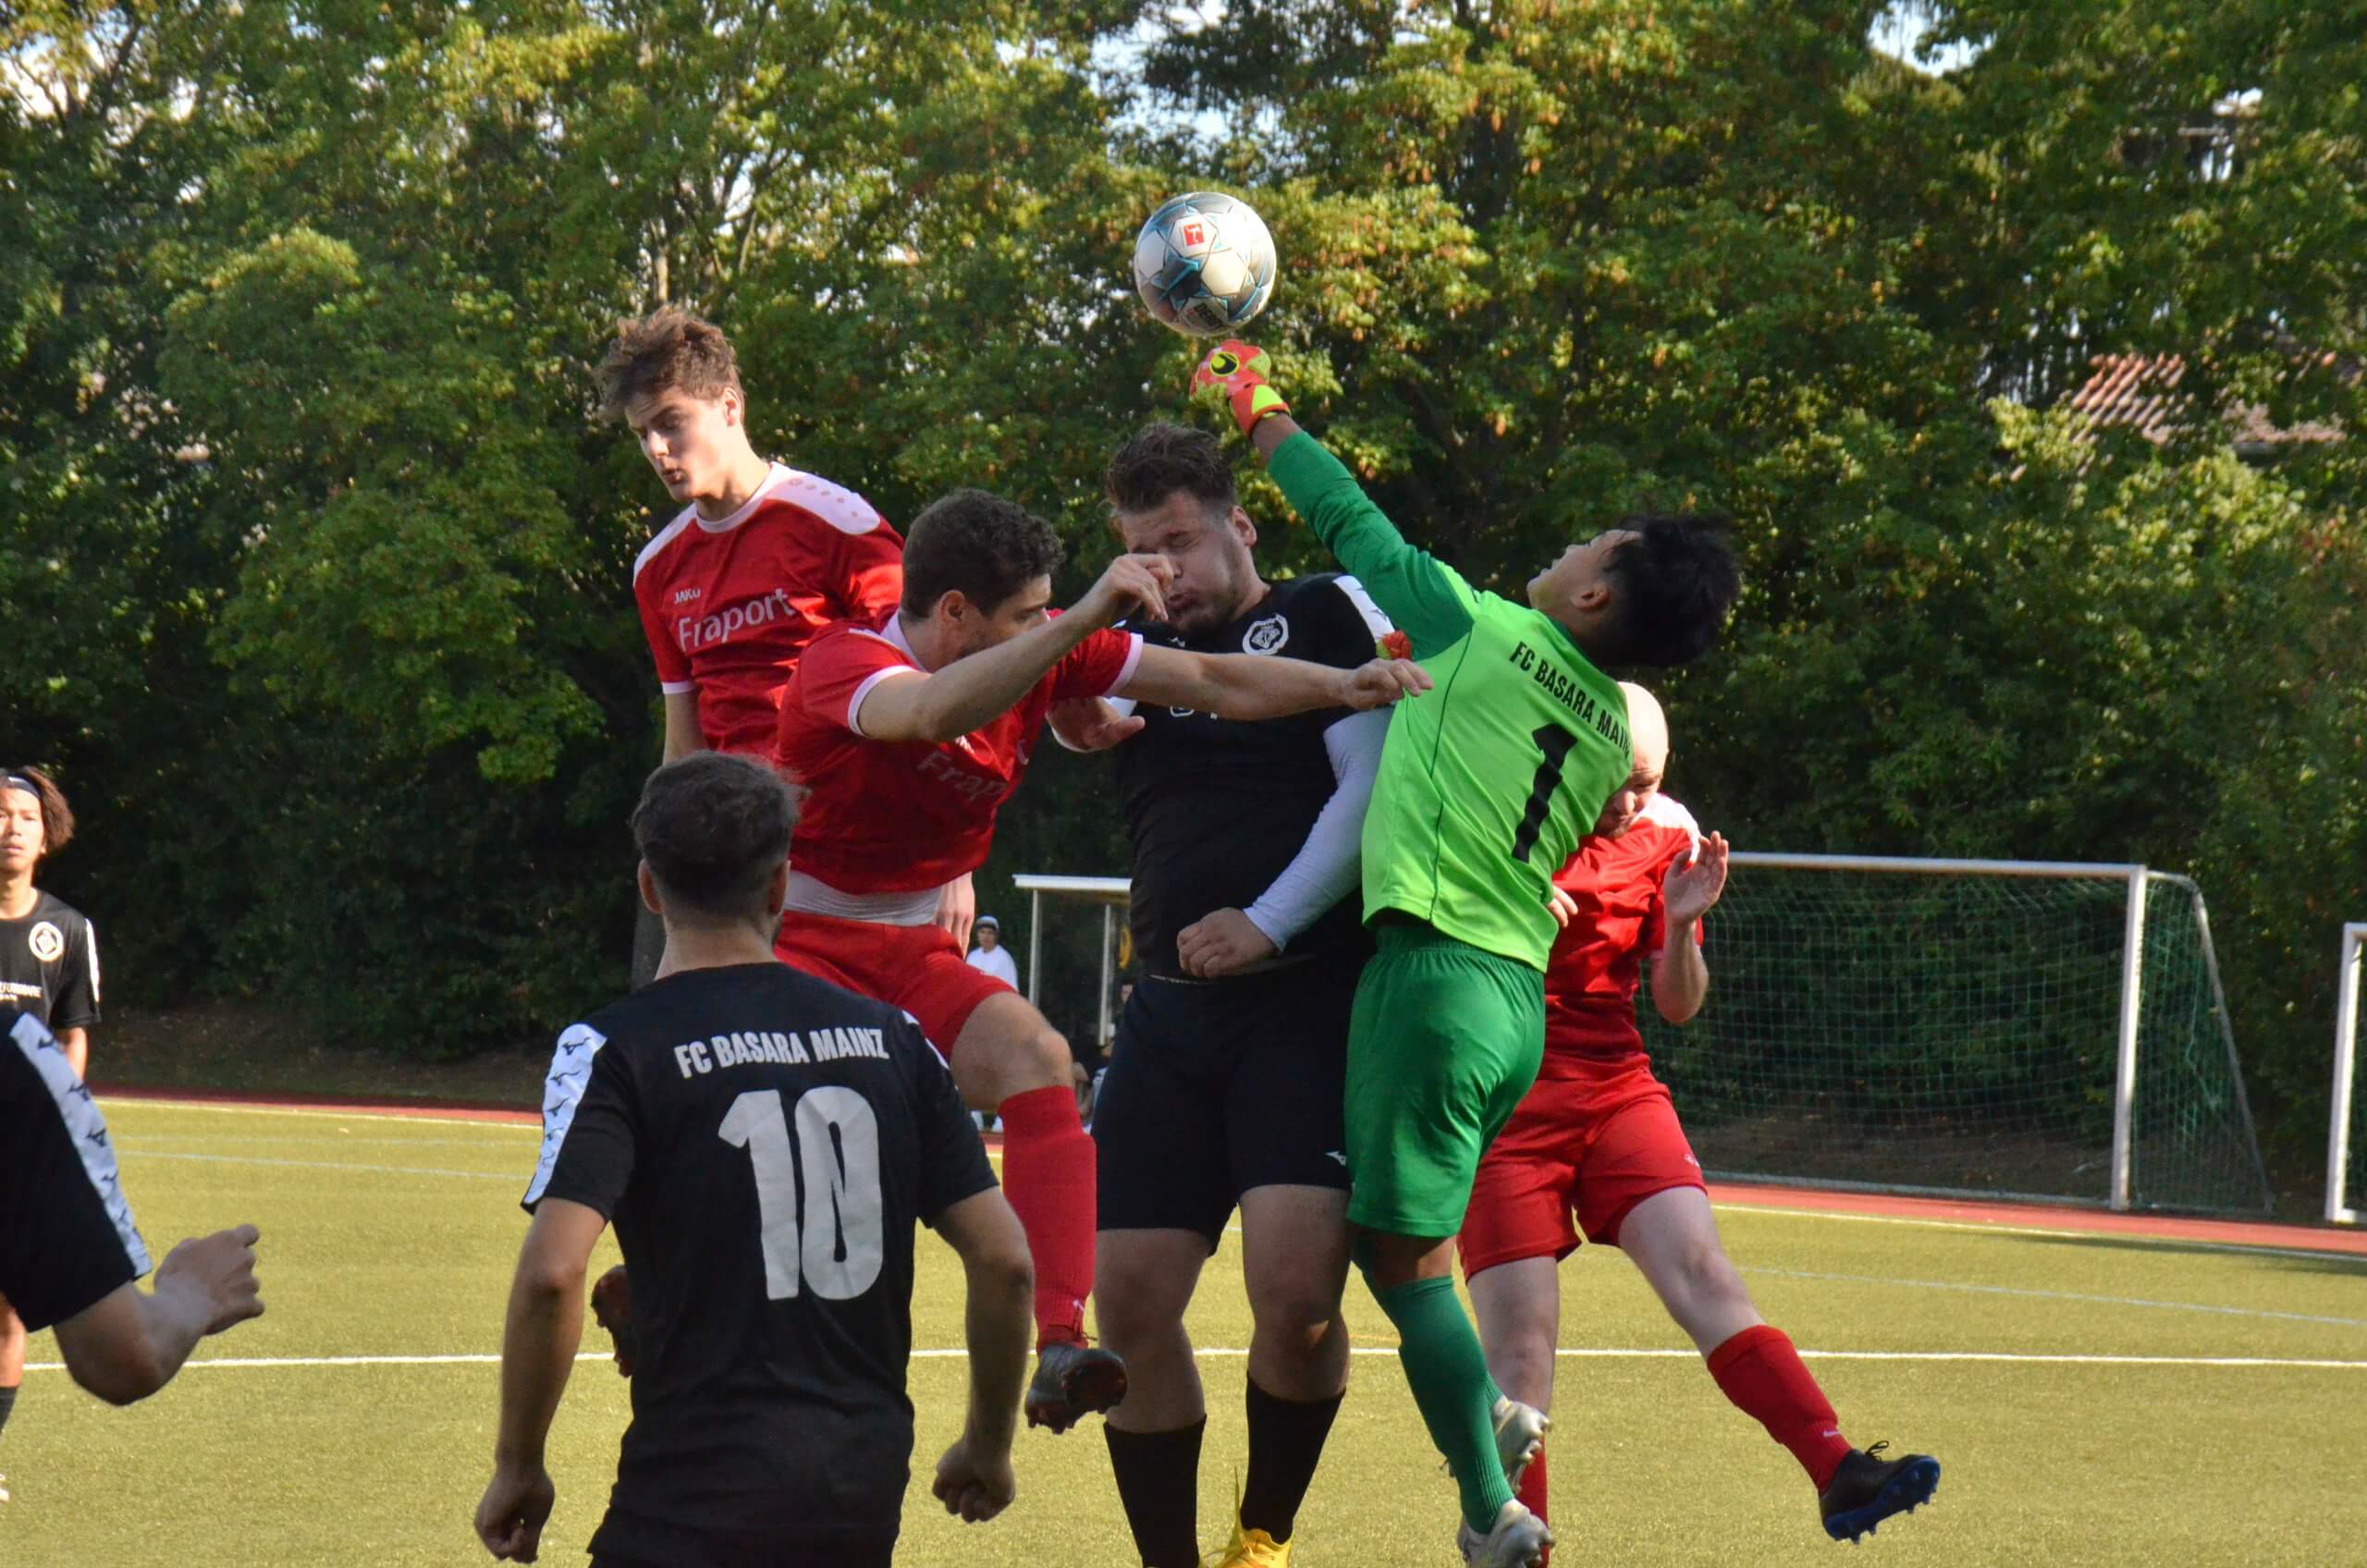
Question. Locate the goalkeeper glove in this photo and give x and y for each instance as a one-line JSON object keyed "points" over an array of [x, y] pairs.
{"points": [[1236, 370]]}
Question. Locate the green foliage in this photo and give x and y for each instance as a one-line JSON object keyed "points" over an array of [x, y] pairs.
{"points": [[316, 570]]}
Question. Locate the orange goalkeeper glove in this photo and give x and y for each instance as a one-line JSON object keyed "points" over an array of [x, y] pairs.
{"points": [[1236, 370]]}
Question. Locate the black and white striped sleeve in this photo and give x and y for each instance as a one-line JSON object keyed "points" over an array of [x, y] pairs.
{"points": [[67, 1236], [588, 1125]]}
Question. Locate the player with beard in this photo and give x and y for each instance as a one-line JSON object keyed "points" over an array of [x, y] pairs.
{"points": [[1596, 1149], [1225, 1086], [910, 733]]}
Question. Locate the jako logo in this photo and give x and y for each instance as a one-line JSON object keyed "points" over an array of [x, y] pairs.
{"points": [[693, 632]]}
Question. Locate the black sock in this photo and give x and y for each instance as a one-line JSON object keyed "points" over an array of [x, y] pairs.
{"points": [[7, 1404], [1285, 1440], [1158, 1481]]}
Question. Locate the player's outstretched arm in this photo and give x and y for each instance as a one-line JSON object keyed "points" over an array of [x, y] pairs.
{"points": [[1680, 975], [971, 693], [1261, 686], [974, 1479], [1426, 600], [129, 1343], [544, 1326]]}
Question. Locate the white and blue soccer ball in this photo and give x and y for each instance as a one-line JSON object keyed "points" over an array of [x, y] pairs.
{"points": [[1204, 265]]}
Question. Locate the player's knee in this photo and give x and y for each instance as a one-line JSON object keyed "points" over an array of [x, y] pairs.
{"points": [[1132, 1303], [1708, 1275], [1299, 1312], [991, 1071]]}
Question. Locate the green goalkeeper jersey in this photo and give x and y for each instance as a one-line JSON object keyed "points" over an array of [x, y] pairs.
{"points": [[1490, 779]]}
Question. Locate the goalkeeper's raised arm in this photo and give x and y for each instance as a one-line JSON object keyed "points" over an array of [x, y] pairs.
{"points": [[1426, 598], [1651, 589]]}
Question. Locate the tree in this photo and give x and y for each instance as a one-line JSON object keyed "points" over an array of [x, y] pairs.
{"points": [[319, 560]]}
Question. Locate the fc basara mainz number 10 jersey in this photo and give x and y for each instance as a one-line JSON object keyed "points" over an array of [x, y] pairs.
{"points": [[764, 1144]]}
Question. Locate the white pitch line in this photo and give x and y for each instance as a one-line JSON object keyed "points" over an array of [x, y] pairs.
{"points": [[2069, 1360], [1216, 1353], [995, 1157], [137, 1152], [2056, 1296], [2136, 1238]]}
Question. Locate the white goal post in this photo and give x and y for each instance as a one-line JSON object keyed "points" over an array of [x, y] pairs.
{"points": [[2028, 1029], [1110, 894], [2340, 1208]]}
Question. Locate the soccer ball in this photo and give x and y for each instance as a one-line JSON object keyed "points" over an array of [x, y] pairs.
{"points": [[1204, 265]]}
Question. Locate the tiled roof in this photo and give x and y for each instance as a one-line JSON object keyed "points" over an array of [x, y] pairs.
{"points": [[2140, 393]]}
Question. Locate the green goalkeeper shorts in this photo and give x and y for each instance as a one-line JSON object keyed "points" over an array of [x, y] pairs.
{"points": [[1444, 1041]]}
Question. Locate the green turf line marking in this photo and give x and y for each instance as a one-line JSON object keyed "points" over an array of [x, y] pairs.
{"points": [[2058, 1295]]}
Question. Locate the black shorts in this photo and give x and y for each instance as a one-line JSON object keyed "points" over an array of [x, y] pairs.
{"points": [[1215, 1087]]}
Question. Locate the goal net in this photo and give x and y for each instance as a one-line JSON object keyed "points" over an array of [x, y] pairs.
{"points": [[1968, 1028], [2347, 1128]]}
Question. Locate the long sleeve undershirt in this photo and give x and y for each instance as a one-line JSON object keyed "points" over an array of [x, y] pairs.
{"points": [[1327, 867]]}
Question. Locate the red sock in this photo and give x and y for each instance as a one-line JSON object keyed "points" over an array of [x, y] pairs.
{"points": [[1532, 1497], [1047, 1176], [1760, 1371]]}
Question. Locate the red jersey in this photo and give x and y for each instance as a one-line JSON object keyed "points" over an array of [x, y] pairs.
{"points": [[887, 816], [728, 607], [1597, 960]]}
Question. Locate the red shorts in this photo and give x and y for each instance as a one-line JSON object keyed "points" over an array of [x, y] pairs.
{"points": [[918, 968], [1579, 1153]]}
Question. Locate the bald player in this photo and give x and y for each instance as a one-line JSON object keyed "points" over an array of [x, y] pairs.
{"points": [[1595, 1149]]}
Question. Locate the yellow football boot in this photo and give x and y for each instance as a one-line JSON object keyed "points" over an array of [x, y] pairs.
{"points": [[1252, 1549]]}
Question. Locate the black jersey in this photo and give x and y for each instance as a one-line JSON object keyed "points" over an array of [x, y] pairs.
{"points": [[49, 964], [66, 1237], [764, 1143], [1218, 807]]}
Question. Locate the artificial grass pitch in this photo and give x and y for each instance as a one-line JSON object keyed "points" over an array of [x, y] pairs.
{"points": [[390, 1237]]}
